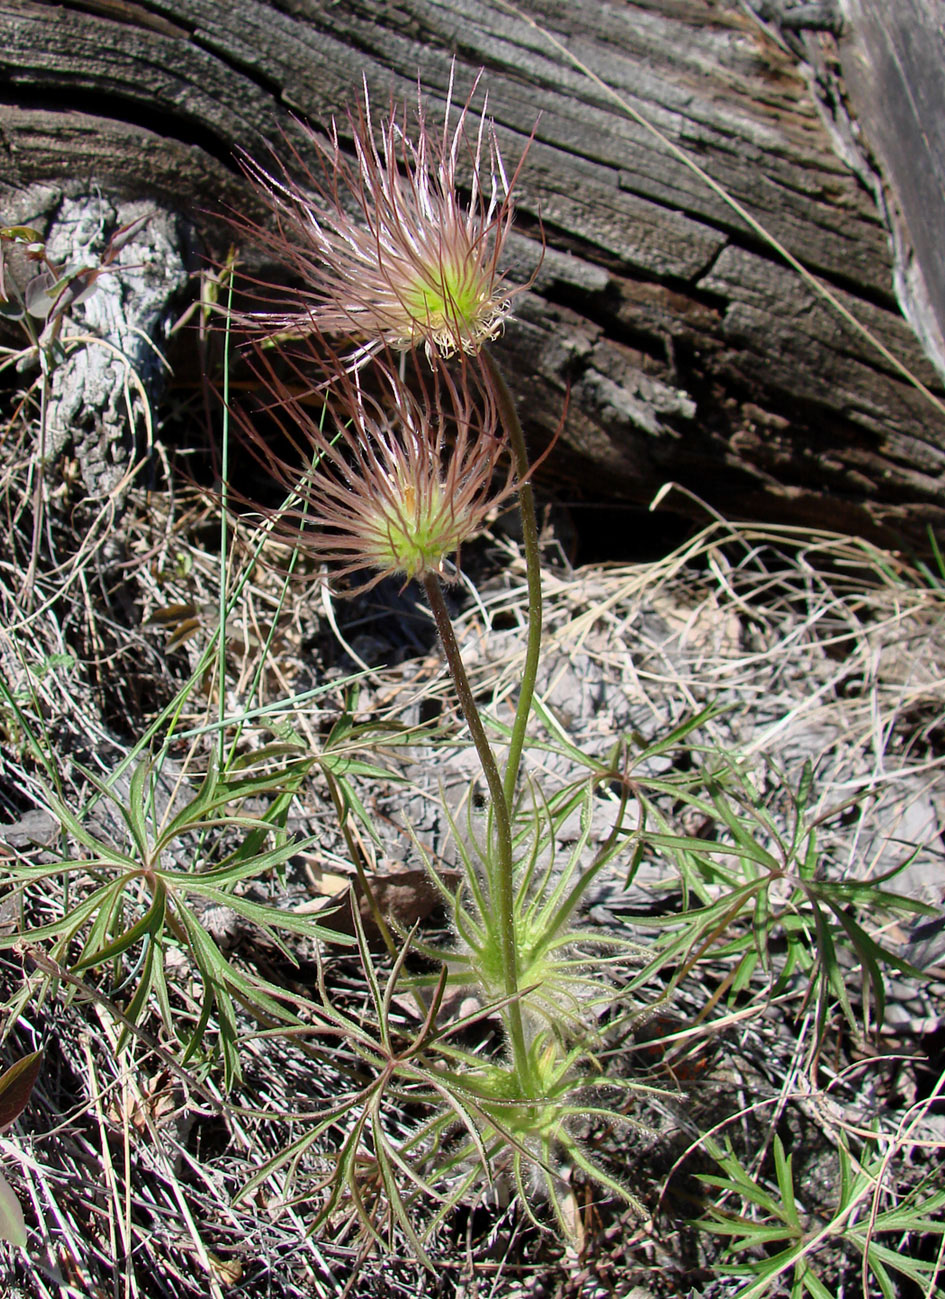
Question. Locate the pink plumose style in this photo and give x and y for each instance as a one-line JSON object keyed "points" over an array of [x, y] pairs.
{"points": [[386, 482], [388, 252]]}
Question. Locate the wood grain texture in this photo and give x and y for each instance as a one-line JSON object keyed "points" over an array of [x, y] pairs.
{"points": [[689, 350], [893, 62]]}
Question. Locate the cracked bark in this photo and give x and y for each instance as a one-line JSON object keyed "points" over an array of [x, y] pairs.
{"points": [[690, 351]]}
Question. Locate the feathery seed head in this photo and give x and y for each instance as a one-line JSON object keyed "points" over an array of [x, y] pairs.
{"points": [[387, 482], [387, 249]]}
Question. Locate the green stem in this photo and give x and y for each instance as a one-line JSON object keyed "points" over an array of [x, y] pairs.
{"points": [[224, 506], [502, 881], [526, 500]]}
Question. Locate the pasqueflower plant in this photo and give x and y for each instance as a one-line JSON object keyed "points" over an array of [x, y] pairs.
{"points": [[398, 435]]}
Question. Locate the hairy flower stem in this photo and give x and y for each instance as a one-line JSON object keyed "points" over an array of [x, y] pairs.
{"points": [[502, 883], [510, 421]]}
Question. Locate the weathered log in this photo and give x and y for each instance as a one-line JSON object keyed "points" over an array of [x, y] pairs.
{"points": [[691, 351], [893, 68]]}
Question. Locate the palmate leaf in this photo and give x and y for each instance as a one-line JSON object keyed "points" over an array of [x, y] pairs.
{"points": [[274, 823], [783, 1164], [103, 852], [133, 812], [916, 1213], [745, 838], [746, 1234], [218, 793], [706, 848], [831, 976], [919, 1215], [270, 919], [235, 867], [812, 1283], [920, 1271], [66, 926], [220, 975], [341, 765], [150, 972], [680, 935], [350, 802], [150, 925]]}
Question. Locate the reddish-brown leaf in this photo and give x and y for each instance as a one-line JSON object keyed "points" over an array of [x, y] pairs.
{"points": [[15, 1087]]}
